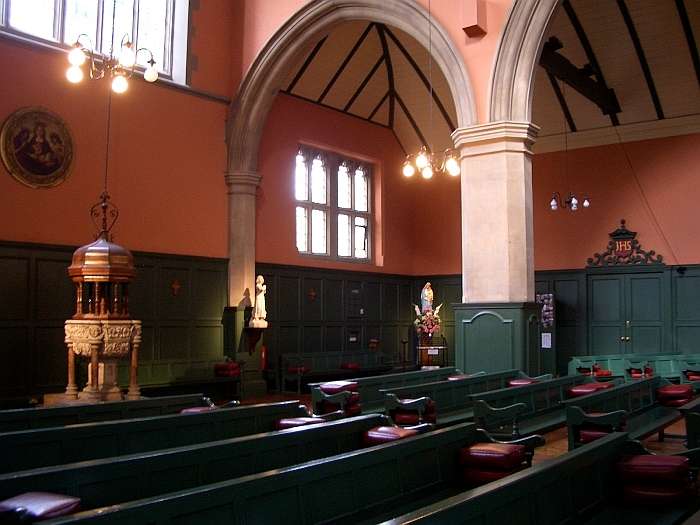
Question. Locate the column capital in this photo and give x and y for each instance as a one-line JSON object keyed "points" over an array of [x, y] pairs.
{"points": [[494, 137], [242, 182]]}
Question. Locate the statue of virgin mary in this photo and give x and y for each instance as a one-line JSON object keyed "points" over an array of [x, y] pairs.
{"points": [[426, 299]]}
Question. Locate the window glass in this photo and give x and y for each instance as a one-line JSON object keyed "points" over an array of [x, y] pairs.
{"points": [[123, 24], [302, 229], [344, 187], [360, 237], [360, 190], [344, 239], [301, 181], [318, 231], [152, 32], [33, 16], [80, 17], [318, 181]]}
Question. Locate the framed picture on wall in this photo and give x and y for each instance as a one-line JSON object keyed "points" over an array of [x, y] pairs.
{"points": [[36, 147]]}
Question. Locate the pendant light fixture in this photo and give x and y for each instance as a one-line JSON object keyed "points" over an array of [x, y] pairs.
{"points": [[571, 202], [425, 161], [119, 67]]}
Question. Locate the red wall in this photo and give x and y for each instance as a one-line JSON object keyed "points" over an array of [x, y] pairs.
{"points": [[167, 148], [661, 204], [291, 122]]}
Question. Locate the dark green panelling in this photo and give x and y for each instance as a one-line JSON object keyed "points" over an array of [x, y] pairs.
{"points": [[182, 333]]}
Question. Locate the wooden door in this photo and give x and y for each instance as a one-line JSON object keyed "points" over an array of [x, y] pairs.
{"points": [[644, 322], [606, 314]]}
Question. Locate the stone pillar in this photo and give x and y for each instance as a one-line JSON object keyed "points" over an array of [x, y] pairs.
{"points": [[497, 322], [242, 191]]}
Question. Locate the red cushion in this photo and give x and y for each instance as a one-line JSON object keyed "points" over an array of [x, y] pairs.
{"points": [[693, 377], [379, 435], [350, 366], [474, 477], [353, 410], [41, 504], [333, 387], [301, 370], [457, 377], [603, 373], [656, 494], [231, 369], [675, 391], [522, 381], [654, 468], [291, 422], [584, 370], [196, 410], [429, 405], [586, 435], [410, 417], [588, 388], [492, 456], [674, 402]]}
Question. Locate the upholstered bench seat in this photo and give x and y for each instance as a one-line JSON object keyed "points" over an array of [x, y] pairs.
{"points": [[197, 410], [333, 387], [40, 505], [675, 395], [588, 388], [292, 422], [522, 381], [386, 434]]}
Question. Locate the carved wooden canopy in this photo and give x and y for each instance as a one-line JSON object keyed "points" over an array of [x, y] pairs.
{"points": [[624, 250]]}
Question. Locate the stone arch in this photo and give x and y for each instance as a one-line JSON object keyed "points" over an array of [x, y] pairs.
{"points": [[249, 109], [513, 75]]}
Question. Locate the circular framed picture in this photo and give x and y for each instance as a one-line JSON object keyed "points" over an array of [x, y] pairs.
{"points": [[36, 147]]}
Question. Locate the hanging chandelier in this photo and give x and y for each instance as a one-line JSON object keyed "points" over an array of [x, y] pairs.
{"points": [[425, 161], [571, 202], [120, 67]]}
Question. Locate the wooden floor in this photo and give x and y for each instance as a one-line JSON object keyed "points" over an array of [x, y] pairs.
{"points": [[556, 441]]}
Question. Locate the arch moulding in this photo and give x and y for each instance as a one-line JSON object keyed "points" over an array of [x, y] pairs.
{"points": [[249, 108]]}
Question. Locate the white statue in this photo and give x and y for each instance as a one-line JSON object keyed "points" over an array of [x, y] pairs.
{"points": [[259, 312], [426, 298]]}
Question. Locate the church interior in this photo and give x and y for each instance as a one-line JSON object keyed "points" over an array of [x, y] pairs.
{"points": [[349, 261]]}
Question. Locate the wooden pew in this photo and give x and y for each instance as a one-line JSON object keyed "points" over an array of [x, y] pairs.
{"points": [[669, 366], [29, 418], [633, 406], [579, 487], [454, 400], [371, 396], [524, 410], [351, 488], [691, 413], [53, 446], [115, 480]]}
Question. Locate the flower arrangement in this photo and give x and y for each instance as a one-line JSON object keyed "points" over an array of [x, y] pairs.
{"points": [[427, 323]]}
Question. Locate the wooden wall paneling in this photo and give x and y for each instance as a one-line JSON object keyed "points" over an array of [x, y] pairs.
{"points": [[333, 299], [372, 301], [686, 309], [312, 299]]}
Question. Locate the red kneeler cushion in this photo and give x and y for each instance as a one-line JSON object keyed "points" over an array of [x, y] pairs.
{"points": [[656, 494], [41, 505], [379, 435], [692, 375], [588, 388], [457, 377], [196, 410], [405, 416], [232, 369], [291, 422], [653, 468], [350, 366], [333, 387], [522, 381], [493, 456], [675, 395], [301, 370], [603, 373]]}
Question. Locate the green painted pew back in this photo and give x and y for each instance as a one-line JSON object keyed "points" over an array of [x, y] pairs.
{"points": [[344, 489], [115, 480], [29, 418], [669, 366], [451, 396], [561, 491], [634, 397], [371, 396], [54, 446], [616, 363]]}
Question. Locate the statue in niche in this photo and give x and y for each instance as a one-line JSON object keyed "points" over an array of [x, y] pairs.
{"points": [[259, 312], [426, 298]]}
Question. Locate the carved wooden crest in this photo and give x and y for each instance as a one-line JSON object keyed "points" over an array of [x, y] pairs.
{"points": [[623, 250]]}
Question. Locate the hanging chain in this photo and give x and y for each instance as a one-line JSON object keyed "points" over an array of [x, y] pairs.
{"points": [[430, 76]]}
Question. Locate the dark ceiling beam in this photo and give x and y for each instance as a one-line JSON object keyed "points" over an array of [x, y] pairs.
{"points": [[422, 76], [641, 57], [588, 49], [689, 37], [411, 120], [312, 101], [399, 141], [389, 73], [578, 78], [346, 61], [363, 84], [562, 102], [379, 105], [306, 64]]}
